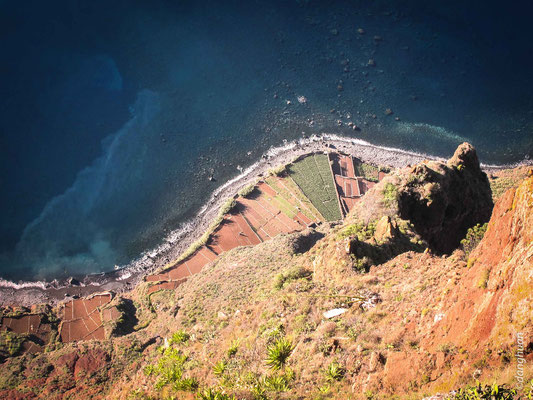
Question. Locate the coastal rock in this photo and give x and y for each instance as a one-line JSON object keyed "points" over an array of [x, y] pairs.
{"points": [[458, 197], [441, 200]]}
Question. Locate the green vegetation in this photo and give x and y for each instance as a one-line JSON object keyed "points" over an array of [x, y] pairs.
{"points": [[220, 367], [448, 348], [278, 353], [334, 372], [360, 230], [499, 185], [288, 191], [11, 343], [169, 371], [367, 171], [313, 176], [224, 209], [277, 171], [277, 383], [473, 237], [211, 394], [179, 337], [494, 392], [233, 348], [247, 190], [291, 275], [390, 195], [484, 279], [286, 208]]}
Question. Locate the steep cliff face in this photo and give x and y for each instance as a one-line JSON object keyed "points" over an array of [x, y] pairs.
{"points": [[445, 321], [495, 302], [441, 200], [369, 308]]}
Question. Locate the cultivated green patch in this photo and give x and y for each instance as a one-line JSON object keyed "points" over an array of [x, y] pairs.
{"points": [[313, 176]]}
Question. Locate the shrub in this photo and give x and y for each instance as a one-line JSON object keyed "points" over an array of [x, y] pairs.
{"points": [[247, 190], [334, 372], [220, 367], [277, 171], [233, 348], [11, 343], [211, 394], [473, 237], [278, 353], [360, 265], [390, 194], [186, 384], [227, 207], [276, 383], [259, 391], [170, 370], [359, 230], [367, 171], [494, 392], [290, 275], [484, 279], [179, 337], [448, 348]]}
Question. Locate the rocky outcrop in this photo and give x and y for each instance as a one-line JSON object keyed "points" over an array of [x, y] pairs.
{"points": [[405, 320], [441, 200], [496, 302]]}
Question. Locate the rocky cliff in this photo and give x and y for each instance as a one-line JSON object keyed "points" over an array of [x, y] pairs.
{"points": [[385, 304]]}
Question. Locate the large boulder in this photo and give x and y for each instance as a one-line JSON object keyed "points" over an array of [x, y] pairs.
{"points": [[441, 200], [444, 200]]}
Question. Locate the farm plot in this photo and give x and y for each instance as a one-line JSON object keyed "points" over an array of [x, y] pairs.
{"points": [[313, 176], [185, 268], [262, 214], [367, 171], [82, 320], [33, 330], [291, 193], [268, 213], [346, 183], [234, 231]]}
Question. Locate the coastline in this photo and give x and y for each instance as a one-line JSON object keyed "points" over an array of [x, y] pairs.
{"points": [[126, 278]]}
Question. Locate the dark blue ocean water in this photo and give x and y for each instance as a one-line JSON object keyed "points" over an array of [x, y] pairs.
{"points": [[114, 113]]}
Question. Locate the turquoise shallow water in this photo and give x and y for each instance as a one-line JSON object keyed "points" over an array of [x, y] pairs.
{"points": [[114, 115]]}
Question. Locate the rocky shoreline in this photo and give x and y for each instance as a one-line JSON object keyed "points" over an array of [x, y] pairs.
{"points": [[30, 293]]}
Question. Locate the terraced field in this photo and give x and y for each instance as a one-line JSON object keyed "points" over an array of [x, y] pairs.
{"points": [[308, 192], [346, 182], [367, 171], [275, 205], [291, 193], [313, 176], [33, 331], [81, 319]]}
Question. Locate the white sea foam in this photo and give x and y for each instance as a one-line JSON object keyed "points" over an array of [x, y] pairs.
{"points": [[23, 285], [187, 227], [424, 129], [148, 258]]}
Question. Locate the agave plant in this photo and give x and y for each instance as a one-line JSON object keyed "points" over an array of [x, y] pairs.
{"points": [[334, 372], [278, 353]]}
